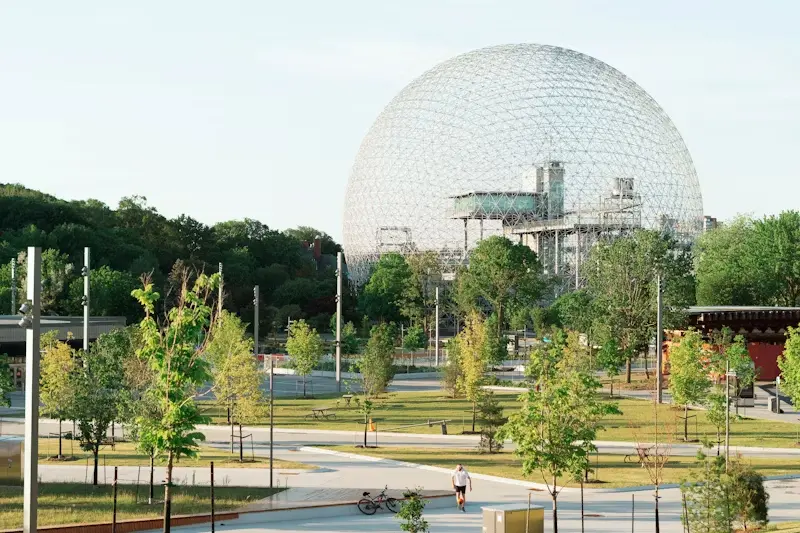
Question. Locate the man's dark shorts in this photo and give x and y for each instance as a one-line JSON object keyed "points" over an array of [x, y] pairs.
{"points": [[462, 489]]}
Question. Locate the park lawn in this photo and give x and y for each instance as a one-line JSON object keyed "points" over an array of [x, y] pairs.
{"points": [[636, 424], [390, 411], [784, 527], [70, 503], [125, 454], [611, 470]]}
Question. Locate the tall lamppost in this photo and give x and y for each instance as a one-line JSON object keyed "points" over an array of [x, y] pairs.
{"points": [[31, 311], [659, 340], [256, 298], [436, 351], [339, 321], [85, 274]]}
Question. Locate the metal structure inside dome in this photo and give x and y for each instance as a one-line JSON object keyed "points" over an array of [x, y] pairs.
{"points": [[547, 146]]}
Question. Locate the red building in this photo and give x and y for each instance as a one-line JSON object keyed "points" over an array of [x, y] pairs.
{"points": [[764, 329]]}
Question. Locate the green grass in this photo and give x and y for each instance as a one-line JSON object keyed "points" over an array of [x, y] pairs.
{"points": [[390, 410], [612, 471], [125, 454], [635, 423], [785, 527], [70, 503]]}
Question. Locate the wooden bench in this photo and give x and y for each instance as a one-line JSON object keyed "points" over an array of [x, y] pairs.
{"points": [[642, 455], [320, 413]]}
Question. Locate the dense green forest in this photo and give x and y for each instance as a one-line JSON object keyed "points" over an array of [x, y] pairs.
{"points": [[134, 240]]}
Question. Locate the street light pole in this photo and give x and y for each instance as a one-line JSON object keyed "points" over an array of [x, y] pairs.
{"points": [[219, 297], [727, 410], [31, 452], [13, 287], [339, 321], [271, 406], [256, 298], [436, 351], [659, 341], [85, 273]]}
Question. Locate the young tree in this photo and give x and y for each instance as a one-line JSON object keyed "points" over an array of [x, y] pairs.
{"points": [[716, 405], [305, 347], [376, 364], [688, 378], [98, 388], [452, 374], [174, 351], [365, 408], [7, 384], [237, 380], [414, 339], [611, 358], [504, 274], [473, 342], [410, 514], [492, 419], [57, 384], [555, 428], [789, 363]]}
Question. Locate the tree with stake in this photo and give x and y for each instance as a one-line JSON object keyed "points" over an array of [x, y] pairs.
{"points": [[688, 378], [410, 514], [174, 351], [611, 358], [98, 387], [376, 364], [57, 384], [365, 408], [555, 428], [716, 405], [491, 416], [473, 343], [305, 347], [237, 380]]}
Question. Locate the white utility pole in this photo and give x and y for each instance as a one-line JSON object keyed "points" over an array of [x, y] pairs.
{"points": [[271, 413], [659, 341], [32, 333], [256, 298], [219, 297], [13, 287], [436, 350], [728, 375], [339, 321], [85, 274]]}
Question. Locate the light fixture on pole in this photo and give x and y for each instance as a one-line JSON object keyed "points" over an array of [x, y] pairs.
{"points": [[436, 351], [85, 274], [13, 286], [659, 340], [339, 322], [31, 321], [256, 298]]}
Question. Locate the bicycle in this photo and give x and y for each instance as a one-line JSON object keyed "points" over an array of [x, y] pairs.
{"points": [[370, 506]]}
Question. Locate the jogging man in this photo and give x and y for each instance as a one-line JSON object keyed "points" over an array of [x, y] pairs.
{"points": [[459, 480]]}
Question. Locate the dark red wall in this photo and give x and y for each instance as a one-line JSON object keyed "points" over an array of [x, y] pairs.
{"points": [[765, 357]]}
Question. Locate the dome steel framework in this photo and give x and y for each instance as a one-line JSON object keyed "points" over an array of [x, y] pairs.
{"points": [[545, 145]]}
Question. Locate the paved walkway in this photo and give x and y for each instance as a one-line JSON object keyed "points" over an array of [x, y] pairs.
{"points": [[343, 472]]}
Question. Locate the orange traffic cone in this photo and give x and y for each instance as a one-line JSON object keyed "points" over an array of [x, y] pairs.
{"points": [[372, 425]]}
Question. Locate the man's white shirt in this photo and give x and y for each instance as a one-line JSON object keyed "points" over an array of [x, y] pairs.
{"points": [[460, 477]]}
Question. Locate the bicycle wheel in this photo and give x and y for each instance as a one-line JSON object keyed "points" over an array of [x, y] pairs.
{"points": [[366, 506], [392, 504]]}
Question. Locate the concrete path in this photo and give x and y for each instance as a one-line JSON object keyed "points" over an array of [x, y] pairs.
{"points": [[612, 508]]}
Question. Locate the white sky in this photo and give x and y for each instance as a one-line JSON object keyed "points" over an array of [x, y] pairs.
{"points": [[257, 108]]}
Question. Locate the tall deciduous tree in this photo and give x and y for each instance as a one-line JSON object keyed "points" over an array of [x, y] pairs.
{"points": [[305, 347], [502, 273], [383, 296], [58, 384], [174, 350], [688, 375], [621, 280], [376, 364]]}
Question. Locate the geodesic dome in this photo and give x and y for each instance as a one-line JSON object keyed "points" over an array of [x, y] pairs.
{"points": [[545, 145]]}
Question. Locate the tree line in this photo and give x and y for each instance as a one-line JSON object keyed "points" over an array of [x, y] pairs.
{"points": [[135, 239]]}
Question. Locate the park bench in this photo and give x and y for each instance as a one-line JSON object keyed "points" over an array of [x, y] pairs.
{"points": [[320, 413], [641, 456]]}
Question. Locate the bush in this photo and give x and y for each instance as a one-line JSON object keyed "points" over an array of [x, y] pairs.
{"points": [[410, 514], [490, 413]]}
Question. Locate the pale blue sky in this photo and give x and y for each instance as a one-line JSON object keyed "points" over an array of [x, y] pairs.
{"points": [[257, 108]]}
